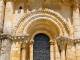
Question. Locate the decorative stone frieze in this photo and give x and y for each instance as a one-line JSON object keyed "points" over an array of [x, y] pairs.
{"points": [[14, 38]]}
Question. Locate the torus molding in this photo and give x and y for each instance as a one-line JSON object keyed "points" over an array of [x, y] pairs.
{"points": [[35, 15]]}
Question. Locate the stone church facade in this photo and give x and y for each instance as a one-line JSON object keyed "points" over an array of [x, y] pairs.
{"points": [[39, 30]]}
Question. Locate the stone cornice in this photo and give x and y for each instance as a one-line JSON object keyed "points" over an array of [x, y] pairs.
{"points": [[66, 2], [21, 38], [63, 40]]}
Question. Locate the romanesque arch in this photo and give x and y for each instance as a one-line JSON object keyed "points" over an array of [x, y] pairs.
{"points": [[43, 20]]}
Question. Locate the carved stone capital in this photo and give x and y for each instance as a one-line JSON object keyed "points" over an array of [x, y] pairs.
{"points": [[62, 46], [21, 38], [76, 3], [31, 41], [52, 42], [77, 40], [5, 36]]}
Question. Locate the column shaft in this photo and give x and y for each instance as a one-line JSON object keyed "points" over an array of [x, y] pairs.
{"points": [[57, 54], [31, 49], [5, 49], [8, 17], [7, 30], [52, 50], [31, 52], [2, 6], [24, 51], [76, 24], [1, 19], [63, 52], [0, 47], [27, 52]]}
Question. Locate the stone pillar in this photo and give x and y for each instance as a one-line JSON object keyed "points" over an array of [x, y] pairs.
{"points": [[76, 25], [6, 43], [2, 6], [5, 49], [27, 51], [78, 50], [62, 47], [8, 17], [24, 51], [51, 50], [70, 51], [0, 46], [76, 22], [57, 54], [31, 49]]}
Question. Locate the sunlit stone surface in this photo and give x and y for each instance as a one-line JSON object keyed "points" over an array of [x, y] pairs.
{"points": [[22, 20]]}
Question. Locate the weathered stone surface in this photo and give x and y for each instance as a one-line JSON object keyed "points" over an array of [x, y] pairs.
{"points": [[15, 53], [51, 17], [5, 49], [0, 47], [15, 58], [8, 18], [78, 58]]}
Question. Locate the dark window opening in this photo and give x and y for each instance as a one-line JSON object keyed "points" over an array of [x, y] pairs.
{"points": [[41, 47], [20, 7]]}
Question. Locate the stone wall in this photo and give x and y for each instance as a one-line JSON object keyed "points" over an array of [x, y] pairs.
{"points": [[58, 19]]}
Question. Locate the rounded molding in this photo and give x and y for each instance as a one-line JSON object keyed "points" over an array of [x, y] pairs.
{"points": [[27, 24]]}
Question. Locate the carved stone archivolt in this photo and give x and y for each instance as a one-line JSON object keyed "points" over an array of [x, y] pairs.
{"points": [[37, 17], [48, 22]]}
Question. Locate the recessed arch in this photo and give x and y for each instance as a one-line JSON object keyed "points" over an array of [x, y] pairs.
{"points": [[43, 21], [31, 18], [35, 21], [43, 32]]}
